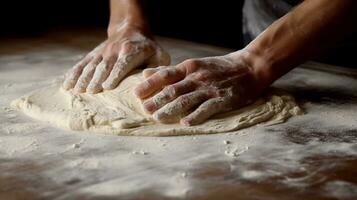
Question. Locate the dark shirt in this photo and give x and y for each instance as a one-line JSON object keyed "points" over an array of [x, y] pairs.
{"points": [[259, 14]]}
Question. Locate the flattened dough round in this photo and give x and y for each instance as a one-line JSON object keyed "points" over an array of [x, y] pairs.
{"points": [[119, 112]]}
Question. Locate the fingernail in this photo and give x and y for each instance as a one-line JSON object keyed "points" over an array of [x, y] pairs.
{"points": [[78, 90], [65, 87], [93, 90], [137, 92], [106, 86], [149, 106], [158, 116], [146, 72]]}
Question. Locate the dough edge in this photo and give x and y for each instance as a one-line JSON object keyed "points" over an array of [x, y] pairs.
{"points": [[276, 106]]}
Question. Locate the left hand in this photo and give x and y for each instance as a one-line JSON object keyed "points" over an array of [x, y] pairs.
{"points": [[196, 89], [126, 48]]}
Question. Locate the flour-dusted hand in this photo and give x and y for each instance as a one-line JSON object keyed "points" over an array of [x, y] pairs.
{"points": [[102, 69], [196, 89]]}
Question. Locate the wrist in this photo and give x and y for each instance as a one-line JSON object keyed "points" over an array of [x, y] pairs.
{"points": [[259, 67], [127, 24]]}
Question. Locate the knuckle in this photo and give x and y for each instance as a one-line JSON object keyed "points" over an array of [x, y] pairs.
{"points": [[192, 64], [111, 50], [170, 91], [188, 83], [106, 66], [164, 73], [114, 46], [183, 101], [128, 46], [206, 91], [167, 74], [224, 92], [200, 76]]}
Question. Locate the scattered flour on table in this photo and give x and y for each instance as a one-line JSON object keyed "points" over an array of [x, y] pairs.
{"points": [[104, 165], [120, 112]]}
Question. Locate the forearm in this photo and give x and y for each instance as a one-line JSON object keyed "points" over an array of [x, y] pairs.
{"points": [[126, 12], [305, 32]]}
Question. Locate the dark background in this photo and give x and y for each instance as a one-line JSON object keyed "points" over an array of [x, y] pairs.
{"points": [[201, 21], [213, 22]]}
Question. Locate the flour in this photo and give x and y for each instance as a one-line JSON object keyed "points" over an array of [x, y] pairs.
{"points": [[120, 112], [236, 151], [323, 141]]}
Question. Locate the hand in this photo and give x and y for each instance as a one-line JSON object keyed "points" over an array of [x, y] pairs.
{"points": [[103, 68], [199, 88]]}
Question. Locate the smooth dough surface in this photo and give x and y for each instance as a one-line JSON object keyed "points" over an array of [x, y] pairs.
{"points": [[120, 112]]}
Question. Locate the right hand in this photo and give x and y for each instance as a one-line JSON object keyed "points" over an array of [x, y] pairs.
{"points": [[105, 66], [196, 89]]}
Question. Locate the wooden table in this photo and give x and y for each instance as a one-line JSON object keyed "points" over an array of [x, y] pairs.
{"points": [[313, 156]]}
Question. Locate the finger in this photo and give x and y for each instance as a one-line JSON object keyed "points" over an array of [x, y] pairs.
{"points": [[158, 80], [168, 94], [101, 73], [180, 106], [206, 110], [124, 65], [73, 74], [86, 75], [150, 71]]}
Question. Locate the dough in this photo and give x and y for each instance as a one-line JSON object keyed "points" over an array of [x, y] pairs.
{"points": [[120, 112]]}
